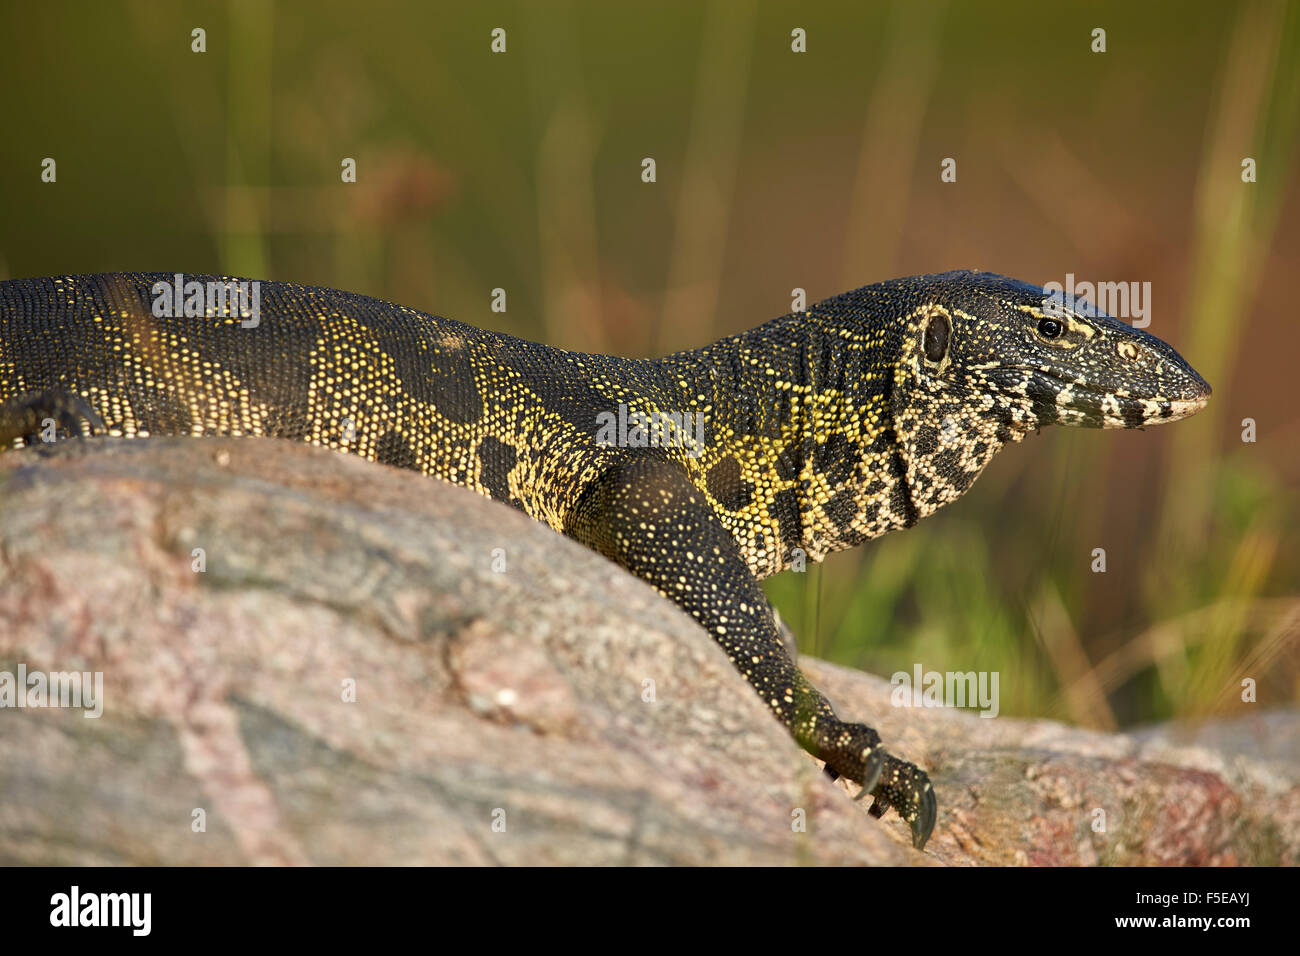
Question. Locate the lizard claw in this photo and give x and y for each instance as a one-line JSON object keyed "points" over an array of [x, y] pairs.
{"points": [[875, 763], [923, 823]]}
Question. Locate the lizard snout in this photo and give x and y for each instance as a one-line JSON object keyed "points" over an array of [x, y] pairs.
{"points": [[1154, 384]]}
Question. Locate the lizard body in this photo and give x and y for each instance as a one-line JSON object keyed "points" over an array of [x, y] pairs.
{"points": [[821, 429]]}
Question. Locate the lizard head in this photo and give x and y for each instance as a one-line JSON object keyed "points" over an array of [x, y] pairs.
{"points": [[1038, 358], [936, 373]]}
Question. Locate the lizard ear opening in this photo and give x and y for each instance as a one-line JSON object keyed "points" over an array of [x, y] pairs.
{"points": [[934, 342]]}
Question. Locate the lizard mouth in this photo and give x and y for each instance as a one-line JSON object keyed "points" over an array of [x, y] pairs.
{"points": [[1058, 399]]}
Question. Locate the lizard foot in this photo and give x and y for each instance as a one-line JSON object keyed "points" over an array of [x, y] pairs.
{"points": [[907, 789], [25, 417]]}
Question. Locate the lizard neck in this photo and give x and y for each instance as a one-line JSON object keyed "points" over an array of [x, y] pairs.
{"points": [[790, 409], [820, 435]]}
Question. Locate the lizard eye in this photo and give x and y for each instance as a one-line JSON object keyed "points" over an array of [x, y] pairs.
{"points": [[935, 340], [1050, 328]]}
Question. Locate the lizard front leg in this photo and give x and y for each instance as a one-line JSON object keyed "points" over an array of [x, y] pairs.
{"points": [[645, 514]]}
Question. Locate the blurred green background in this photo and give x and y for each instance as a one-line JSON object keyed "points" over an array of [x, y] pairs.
{"points": [[776, 170]]}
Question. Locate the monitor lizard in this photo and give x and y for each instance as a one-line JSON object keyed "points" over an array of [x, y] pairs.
{"points": [[820, 429]]}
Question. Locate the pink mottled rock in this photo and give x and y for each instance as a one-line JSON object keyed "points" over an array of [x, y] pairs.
{"points": [[356, 677]]}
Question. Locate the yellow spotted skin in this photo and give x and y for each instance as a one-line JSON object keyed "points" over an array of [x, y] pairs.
{"points": [[814, 432]]}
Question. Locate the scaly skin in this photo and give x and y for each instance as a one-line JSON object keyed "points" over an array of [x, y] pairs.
{"points": [[822, 429]]}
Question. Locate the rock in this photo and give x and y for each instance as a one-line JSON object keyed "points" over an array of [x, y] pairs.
{"points": [[1015, 792], [376, 668], [515, 696]]}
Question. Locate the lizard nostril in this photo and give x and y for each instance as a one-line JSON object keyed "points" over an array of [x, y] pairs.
{"points": [[1126, 349]]}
